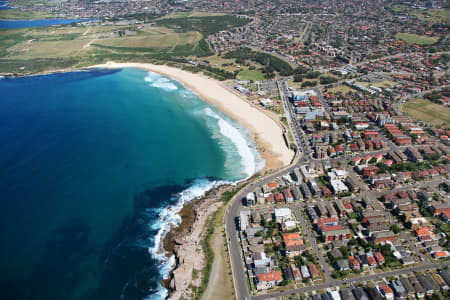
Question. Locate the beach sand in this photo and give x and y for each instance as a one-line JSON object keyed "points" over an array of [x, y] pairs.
{"points": [[268, 133]]}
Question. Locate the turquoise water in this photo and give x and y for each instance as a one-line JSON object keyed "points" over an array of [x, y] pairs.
{"points": [[89, 163]]}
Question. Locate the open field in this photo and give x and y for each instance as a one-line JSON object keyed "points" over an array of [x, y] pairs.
{"points": [[218, 61], [429, 15], [192, 14], [341, 89], [425, 110], [16, 14], [39, 49], [247, 74], [432, 15], [68, 41], [416, 39], [150, 38], [381, 84]]}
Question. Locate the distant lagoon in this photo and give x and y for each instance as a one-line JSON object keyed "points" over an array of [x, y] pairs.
{"points": [[15, 24], [4, 5]]}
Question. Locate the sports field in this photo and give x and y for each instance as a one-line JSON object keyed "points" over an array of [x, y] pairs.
{"points": [[416, 39], [425, 110]]}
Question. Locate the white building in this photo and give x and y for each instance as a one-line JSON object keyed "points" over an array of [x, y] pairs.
{"points": [[338, 186], [283, 214]]}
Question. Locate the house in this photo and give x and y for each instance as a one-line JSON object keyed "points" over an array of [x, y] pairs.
{"points": [[386, 292], [331, 230], [279, 197], [428, 284], [419, 290], [346, 294], [383, 236], [380, 258], [354, 263], [244, 217], [440, 282], [260, 260], [342, 265], [305, 272], [372, 261], [410, 291], [338, 187], [294, 245], [313, 271], [288, 196], [250, 199], [445, 274], [268, 280], [441, 254], [360, 294], [296, 272], [374, 293], [399, 289], [288, 226]]}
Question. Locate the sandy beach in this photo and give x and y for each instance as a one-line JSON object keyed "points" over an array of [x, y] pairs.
{"points": [[268, 133]]}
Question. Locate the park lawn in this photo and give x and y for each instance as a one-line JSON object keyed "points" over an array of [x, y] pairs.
{"points": [[154, 39], [380, 84], [416, 39], [218, 61], [431, 15], [425, 110], [341, 88], [192, 14], [16, 14], [69, 41], [247, 74]]}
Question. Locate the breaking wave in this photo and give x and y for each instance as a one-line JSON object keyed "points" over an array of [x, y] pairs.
{"points": [[159, 81]]}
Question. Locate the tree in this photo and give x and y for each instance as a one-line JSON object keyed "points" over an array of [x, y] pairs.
{"points": [[395, 228]]}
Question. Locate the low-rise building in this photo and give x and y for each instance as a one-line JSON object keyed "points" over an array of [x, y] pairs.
{"points": [[268, 280]]}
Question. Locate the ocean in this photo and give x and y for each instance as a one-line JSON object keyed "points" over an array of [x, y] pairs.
{"points": [[94, 166]]}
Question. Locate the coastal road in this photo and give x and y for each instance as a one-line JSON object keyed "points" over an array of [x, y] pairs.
{"points": [[239, 270], [423, 267]]}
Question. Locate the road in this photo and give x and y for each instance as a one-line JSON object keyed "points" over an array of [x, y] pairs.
{"points": [[423, 267], [240, 276], [312, 242]]}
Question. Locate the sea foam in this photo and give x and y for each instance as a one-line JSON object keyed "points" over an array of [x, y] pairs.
{"points": [[248, 159], [168, 216], [158, 81]]}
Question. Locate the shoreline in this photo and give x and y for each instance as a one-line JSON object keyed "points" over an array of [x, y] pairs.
{"points": [[184, 240], [267, 133]]}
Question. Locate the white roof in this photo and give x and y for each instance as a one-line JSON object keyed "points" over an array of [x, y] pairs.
{"points": [[282, 212], [289, 223]]}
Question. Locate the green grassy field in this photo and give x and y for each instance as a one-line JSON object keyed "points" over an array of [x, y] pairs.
{"points": [[381, 84], [416, 39], [425, 110], [341, 89], [254, 75], [15, 14], [192, 14], [432, 15]]}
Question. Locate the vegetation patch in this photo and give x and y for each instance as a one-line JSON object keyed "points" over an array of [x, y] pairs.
{"points": [[411, 38], [425, 110], [247, 74]]}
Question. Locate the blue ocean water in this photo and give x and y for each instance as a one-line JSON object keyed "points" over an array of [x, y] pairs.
{"points": [[14, 24], [94, 166]]}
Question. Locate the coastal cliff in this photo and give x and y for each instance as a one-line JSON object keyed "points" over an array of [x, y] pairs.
{"points": [[185, 242]]}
